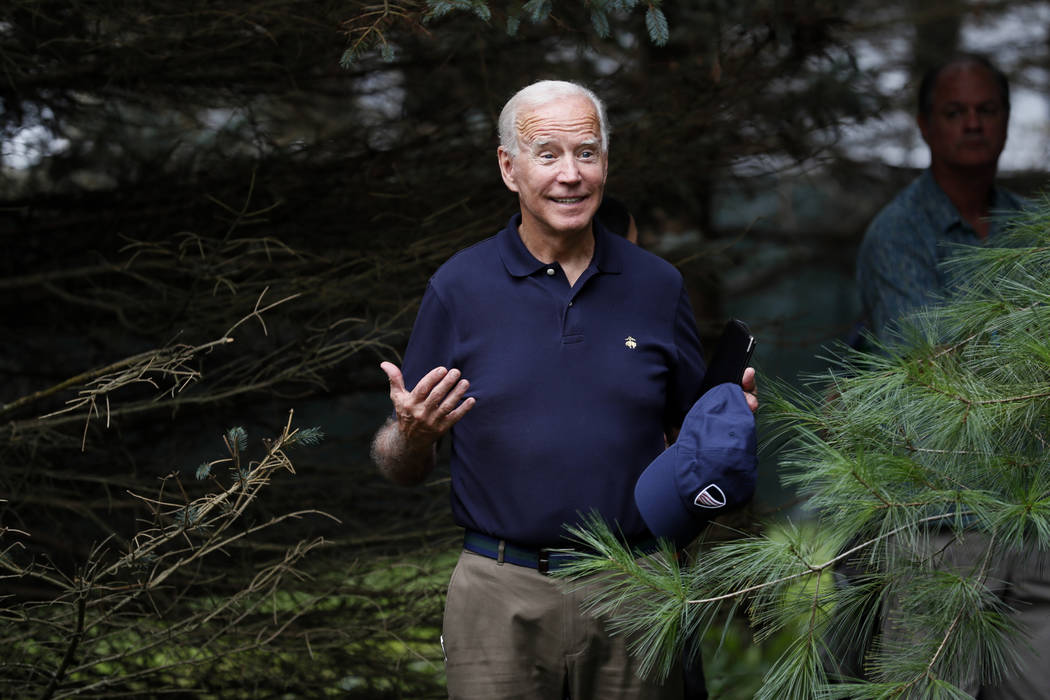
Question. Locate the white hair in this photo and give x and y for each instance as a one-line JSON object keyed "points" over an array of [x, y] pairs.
{"points": [[537, 95]]}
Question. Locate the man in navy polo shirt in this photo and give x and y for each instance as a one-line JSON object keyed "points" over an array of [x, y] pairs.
{"points": [[583, 357]]}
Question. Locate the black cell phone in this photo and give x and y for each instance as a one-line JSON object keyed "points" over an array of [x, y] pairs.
{"points": [[731, 355]]}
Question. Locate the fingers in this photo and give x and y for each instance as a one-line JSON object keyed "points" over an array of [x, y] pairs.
{"points": [[748, 382], [397, 382], [448, 399], [449, 392], [435, 386], [458, 412], [750, 388], [436, 403], [430, 380]]}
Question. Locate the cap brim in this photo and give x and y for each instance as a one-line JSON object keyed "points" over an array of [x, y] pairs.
{"points": [[657, 498]]}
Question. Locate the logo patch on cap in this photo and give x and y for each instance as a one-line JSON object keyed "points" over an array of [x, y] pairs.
{"points": [[710, 497]]}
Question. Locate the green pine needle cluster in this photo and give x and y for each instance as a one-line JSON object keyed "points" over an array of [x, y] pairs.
{"points": [[369, 31], [308, 437], [941, 433], [236, 440]]}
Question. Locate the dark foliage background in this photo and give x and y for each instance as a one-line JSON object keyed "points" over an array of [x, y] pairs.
{"points": [[177, 175]]}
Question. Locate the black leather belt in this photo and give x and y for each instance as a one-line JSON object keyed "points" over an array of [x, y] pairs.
{"points": [[543, 560]]}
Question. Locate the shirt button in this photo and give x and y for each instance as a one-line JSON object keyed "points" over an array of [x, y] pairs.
{"points": [[550, 272], [570, 303]]}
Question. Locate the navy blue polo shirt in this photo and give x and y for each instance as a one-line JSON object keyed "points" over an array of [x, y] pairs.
{"points": [[575, 386]]}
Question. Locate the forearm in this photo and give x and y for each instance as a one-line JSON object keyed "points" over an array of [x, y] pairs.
{"points": [[398, 461]]}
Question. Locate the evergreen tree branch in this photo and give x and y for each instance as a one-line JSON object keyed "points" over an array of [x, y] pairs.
{"points": [[812, 569], [942, 434]]}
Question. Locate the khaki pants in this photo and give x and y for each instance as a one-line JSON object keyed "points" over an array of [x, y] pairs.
{"points": [[511, 632], [1022, 581]]}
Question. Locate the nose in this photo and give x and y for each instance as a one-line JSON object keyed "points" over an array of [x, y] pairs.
{"points": [[569, 171], [972, 119]]}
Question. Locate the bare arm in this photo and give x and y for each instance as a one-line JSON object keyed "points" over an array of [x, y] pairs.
{"points": [[405, 448], [396, 459]]}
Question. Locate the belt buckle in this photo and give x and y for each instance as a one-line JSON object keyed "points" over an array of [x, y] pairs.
{"points": [[543, 561]]}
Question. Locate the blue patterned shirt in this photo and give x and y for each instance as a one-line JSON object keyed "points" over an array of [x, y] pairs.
{"points": [[899, 264]]}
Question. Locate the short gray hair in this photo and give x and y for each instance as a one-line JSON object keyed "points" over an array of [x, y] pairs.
{"points": [[538, 94]]}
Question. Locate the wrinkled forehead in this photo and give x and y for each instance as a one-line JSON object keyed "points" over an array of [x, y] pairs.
{"points": [[567, 119]]}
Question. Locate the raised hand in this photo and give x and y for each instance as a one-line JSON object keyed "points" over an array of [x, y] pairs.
{"points": [[433, 406], [404, 449]]}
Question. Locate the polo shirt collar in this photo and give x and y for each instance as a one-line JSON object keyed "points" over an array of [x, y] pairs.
{"points": [[521, 263], [940, 207]]}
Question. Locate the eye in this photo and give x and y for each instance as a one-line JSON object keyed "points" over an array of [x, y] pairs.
{"points": [[988, 109]]}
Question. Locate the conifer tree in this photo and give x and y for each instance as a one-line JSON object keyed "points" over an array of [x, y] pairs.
{"points": [[943, 430]]}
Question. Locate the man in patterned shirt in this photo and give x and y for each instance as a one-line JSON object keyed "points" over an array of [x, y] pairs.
{"points": [[964, 105]]}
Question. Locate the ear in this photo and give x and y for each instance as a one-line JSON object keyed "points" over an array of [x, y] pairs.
{"points": [[506, 168]]}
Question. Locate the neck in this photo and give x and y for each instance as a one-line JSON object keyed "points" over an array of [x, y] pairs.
{"points": [[970, 191], [571, 250]]}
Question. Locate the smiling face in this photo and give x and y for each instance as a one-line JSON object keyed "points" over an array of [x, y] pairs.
{"points": [[559, 171], [966, 124]]}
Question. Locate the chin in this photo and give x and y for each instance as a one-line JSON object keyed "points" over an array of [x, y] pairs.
{"points": [[977, 153], [577, 223], [574, 222], [566, 229], [982, 162]]}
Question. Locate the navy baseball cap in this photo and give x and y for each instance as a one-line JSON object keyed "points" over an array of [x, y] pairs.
{"points": [[710, 468]]}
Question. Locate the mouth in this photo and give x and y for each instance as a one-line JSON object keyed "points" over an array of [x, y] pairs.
{"points": [[568, 200]]}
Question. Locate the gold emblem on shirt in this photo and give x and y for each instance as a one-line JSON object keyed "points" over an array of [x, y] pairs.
{"points": [[630, 343]]}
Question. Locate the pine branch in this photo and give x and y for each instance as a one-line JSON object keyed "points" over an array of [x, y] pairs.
{"points": [[945, 430]]}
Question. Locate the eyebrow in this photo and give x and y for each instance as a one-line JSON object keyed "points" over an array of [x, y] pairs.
{"points": [[539, 143], [963, 103]]}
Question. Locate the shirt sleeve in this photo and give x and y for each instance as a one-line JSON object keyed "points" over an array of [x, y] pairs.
{"points": [[432, 342], [688, 368]]}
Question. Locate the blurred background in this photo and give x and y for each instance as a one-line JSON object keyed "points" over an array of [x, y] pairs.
{"points": [[287, 175]]}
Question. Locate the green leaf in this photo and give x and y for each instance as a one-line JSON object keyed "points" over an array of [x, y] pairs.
{"points": [[440, 8], [656, 23], [600, 22], [538, 10], [437, 8], [481, 9], [237, 438], [309, 436]]}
